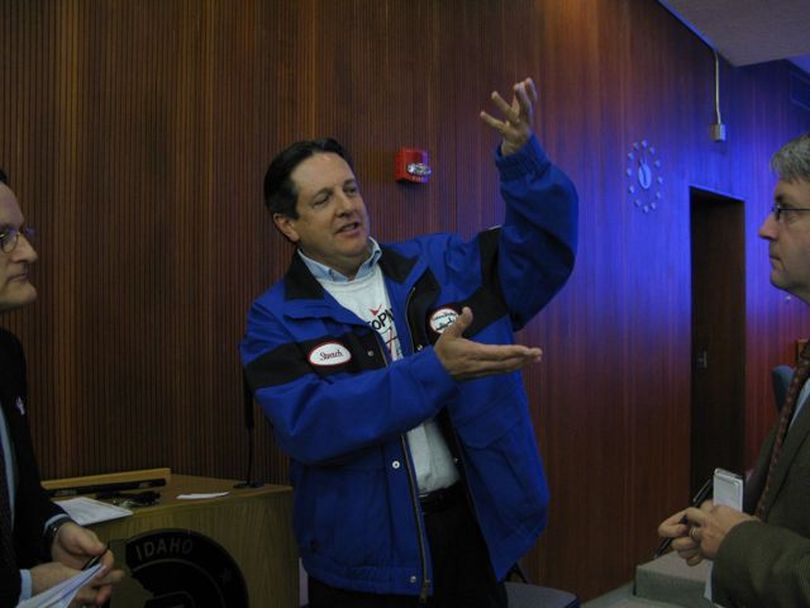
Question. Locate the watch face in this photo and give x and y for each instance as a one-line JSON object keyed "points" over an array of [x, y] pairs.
{"points": [[643, 173]]}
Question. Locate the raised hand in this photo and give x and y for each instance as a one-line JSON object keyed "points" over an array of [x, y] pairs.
{"points": [[516, 125]]}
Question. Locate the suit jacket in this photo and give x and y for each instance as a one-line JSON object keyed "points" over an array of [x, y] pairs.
{"points": [[32, 507], [768, 564]]}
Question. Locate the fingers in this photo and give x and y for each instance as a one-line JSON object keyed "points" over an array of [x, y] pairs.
{"points": [[696, 517], [512, 113], [695, 559], [486, 359], [85, 596], [106, 577], [520, 109], [508, 354], [107, 560], [103, 595], [531, 91], [672, 520], [465, 359], [99, 590], [672, 528], [460, 325], [526, 97]]}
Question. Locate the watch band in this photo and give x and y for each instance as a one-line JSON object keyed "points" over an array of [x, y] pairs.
{"points": [[52, 529]]}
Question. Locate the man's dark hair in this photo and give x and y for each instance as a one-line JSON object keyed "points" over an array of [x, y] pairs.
{"points": [[280, 194], [3, 177]]}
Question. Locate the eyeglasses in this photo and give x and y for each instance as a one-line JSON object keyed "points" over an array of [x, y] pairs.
{"points": [[779, 211], [10, 236]]}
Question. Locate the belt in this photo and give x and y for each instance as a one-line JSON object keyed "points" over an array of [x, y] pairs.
{"points": [[442, 499]]}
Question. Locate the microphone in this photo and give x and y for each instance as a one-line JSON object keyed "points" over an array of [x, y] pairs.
{"points": [[250, 423], [247, 400]]}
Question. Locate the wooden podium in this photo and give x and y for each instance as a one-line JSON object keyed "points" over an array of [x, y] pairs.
{"points": [[230, 551]]}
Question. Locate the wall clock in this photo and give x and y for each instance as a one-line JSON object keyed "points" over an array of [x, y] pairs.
{"points": [[643, 172]]}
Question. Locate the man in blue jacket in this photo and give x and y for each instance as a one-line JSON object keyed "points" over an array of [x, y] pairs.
{"points": [[391, 378]]}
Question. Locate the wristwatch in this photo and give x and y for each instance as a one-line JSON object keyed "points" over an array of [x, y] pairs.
{"points": [[52, 529]]}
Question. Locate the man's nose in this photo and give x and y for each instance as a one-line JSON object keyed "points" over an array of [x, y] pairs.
{"points": [[769, 227], [345, 203], [24, 250]]}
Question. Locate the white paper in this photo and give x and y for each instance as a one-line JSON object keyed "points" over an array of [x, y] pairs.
{"points": [[60, 596], [200, 496], [728, 491], [86, 511]]}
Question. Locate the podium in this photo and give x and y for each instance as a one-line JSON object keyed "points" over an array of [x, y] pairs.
{"points": [[233, 551]]}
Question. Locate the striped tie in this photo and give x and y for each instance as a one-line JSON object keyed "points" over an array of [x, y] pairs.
{"points": [[791, 399]]}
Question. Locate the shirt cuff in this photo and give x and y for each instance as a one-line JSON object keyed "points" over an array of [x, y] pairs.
{"points": [[25, 585]]}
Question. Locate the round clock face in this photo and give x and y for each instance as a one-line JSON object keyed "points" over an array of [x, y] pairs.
{"points": [[644, 176]]}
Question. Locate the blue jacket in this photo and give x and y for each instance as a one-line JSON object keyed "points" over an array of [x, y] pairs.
{"points": [[339, 407]]}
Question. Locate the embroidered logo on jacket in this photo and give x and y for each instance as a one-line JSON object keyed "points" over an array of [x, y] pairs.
{"points": [[20, 406], [442, 318], [329, 354]]}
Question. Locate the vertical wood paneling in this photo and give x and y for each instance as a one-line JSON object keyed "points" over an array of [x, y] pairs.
{"points": [[137, 133]]}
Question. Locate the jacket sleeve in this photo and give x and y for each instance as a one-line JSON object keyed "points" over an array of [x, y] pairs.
{"points": [[33, 507], [10, 586], [760, 564], [322, 419], [538, 239]]}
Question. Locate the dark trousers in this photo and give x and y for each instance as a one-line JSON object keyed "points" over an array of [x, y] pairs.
{"points": [[462, 575]]}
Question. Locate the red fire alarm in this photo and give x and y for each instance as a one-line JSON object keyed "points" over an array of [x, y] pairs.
{"points": [[411, 165]]}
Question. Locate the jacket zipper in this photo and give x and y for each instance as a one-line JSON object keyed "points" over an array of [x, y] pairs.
{"points": [[420, 529], [424, 592]]}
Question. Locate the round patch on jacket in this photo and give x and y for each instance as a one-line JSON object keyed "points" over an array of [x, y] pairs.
{"points": [[329, 354], [442, 318]]}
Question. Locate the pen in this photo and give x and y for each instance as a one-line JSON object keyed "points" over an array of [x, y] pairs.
{"points": [[95, 559], [703, 493]]}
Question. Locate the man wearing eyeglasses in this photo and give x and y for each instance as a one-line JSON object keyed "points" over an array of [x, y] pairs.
{"points": [[39, 545], [762, 557]]}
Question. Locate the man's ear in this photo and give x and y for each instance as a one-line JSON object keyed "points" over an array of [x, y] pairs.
{"points": [[285, 226]]}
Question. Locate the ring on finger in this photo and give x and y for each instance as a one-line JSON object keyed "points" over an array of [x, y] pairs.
{"points": [[693, 535]]}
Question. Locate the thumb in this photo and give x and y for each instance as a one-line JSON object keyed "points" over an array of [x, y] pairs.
{"points": [[460, 325]]}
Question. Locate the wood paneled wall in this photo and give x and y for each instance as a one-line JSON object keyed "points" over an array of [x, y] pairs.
{"points": [[136, 135]]}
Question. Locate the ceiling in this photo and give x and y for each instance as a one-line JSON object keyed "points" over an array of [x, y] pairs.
{"points": [[746, 32]]}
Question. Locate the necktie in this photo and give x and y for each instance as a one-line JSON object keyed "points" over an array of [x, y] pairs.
{"points": [[8, 560], [792, 396]]}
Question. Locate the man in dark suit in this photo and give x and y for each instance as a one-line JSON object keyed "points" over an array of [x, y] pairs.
{"points": [[39, 545], [762, 557]]}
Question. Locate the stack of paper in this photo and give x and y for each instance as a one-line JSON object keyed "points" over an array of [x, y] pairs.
{"points": [[60, 596], [86, 511]]}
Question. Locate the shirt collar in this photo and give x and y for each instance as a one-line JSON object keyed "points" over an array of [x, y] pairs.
{"points": [[322, 271]]}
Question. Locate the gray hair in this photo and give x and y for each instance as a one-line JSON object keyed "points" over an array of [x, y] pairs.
{"points": [[792, 161]]}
